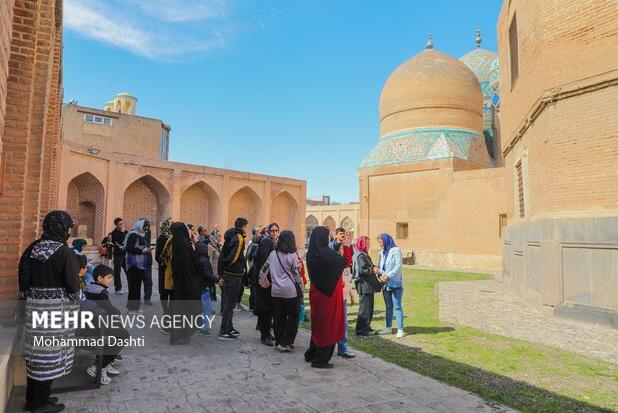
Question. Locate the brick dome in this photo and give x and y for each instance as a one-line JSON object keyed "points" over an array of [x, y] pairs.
{"points": [[431, 89]]}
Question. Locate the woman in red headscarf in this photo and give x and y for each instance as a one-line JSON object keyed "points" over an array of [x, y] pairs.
{"points": [[365, 274], [327, 314]]}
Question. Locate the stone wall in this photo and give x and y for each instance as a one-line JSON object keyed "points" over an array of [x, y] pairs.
{"points": [[30, 133]]}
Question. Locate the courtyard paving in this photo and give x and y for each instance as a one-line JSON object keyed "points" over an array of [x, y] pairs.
{"points": [[489, 306], [246, 376]]}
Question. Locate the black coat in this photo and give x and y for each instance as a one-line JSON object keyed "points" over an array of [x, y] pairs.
{"points": [[368, 282], [118, 240], [264, 298], [61, 270], [232, 261], [207, 276]]}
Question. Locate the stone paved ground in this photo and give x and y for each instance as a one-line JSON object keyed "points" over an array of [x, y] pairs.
{"points": [[489, 306], [246, 376]]}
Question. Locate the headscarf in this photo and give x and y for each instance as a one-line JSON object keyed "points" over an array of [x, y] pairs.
{"points": [[79, 244], [56, 226], [184, 269], [165, 228], [388, 242], [138, 228], [361, 244], [323, 263]]}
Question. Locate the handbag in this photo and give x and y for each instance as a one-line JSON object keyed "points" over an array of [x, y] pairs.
{"points": [[299, 291], [103, 251]]}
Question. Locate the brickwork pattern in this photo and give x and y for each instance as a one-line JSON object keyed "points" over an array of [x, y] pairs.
{"points": [[86, 204], [30, 127], [570, 149], [6, 26], [195, 206], [140, 201], [284, 211], [246, 204]]}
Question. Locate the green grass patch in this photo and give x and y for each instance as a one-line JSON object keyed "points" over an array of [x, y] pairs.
{"points": [[527, 376]]}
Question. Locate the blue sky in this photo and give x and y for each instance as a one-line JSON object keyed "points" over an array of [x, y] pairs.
{"points": [[287, 88]]}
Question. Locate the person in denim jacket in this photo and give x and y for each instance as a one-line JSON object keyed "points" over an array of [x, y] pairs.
{"points": [[390, 274]]}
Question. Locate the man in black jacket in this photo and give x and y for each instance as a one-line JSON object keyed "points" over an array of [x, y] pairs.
{"points": [[118, 236], [264, 301], [232, 267]]}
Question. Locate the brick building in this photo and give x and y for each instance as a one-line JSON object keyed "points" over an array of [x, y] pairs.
{"points": [[30, 129], [431, 181], [559, 126], [114, 163]]}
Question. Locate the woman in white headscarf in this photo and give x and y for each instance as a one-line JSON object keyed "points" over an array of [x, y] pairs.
{"points": [[139, 260]]}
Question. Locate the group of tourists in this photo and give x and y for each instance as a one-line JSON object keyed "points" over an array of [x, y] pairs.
{"points": [[191, 264]]}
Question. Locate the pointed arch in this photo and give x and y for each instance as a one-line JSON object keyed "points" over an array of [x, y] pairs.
{"points": [[245, 203], [310, 223], [330, 223], [200, 205], [348, 225], [146, 197], [284, 211], [86, 205]]}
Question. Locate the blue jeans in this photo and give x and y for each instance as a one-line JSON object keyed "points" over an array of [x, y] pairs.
{"points": [[301, 316], [206, 308], [342, 345], [392, 300]]}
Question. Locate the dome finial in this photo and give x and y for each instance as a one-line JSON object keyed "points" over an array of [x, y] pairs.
{"points": [[429, 44], [478, 39]]}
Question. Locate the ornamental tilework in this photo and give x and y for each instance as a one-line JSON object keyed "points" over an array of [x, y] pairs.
{"points": [[418, 145]]}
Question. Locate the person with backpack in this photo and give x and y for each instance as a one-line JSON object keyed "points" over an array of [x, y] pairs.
{"points": [[232, 266]]}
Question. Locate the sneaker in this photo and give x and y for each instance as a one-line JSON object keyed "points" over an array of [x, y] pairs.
{"points": [[385, 331], [400, 334], [267, 341], [148, 302], [238, 308], [119, 292], [284, 349], [118, 358], [111, 371], [347, 355], [235, 332], [205, 332], [92, 372], [227, 337]]}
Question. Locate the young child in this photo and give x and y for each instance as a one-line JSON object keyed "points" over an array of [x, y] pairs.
{"points": [[97, 301], [85, 271]]}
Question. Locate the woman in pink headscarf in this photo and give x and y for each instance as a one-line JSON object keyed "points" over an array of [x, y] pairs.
{"points": [[365, 274]]}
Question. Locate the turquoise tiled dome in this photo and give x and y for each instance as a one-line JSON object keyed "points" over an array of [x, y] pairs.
{"points": [[419, 145], [480, 62]]}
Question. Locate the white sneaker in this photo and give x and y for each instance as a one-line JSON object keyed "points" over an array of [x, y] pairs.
{"points": [[92, 372], [400, 334], [111, 370], [385, 331]]}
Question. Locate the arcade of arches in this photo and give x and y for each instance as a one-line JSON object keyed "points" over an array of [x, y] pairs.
{"points": [[332, 217], [133, 188]]}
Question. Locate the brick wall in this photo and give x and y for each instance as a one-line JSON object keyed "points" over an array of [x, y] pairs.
{"points": [[195, 207], [452, 215], [284, 212], [6, 27], [245, 204], [568, 145], [31, 125]]}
